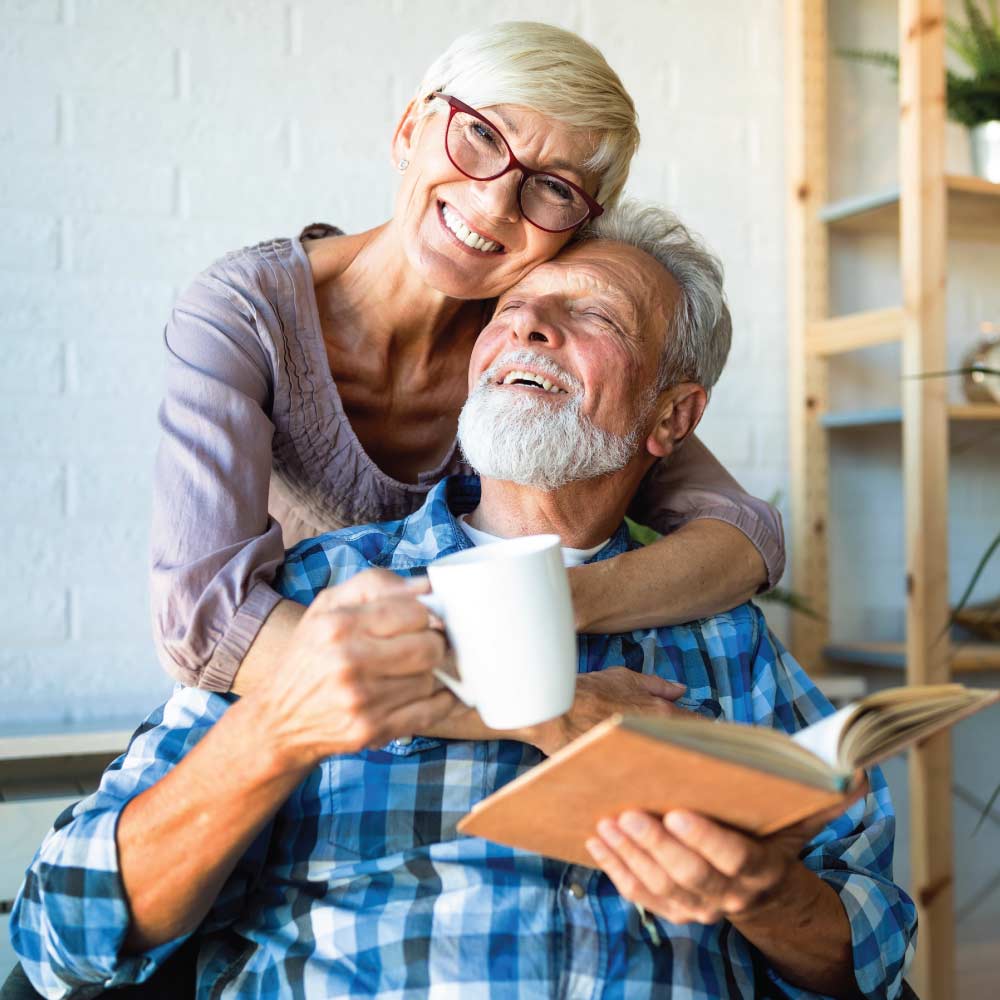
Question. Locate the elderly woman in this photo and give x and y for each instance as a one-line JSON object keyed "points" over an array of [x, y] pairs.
{"points": [[320, 379]]}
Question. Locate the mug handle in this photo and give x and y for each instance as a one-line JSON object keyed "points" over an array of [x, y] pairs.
{"points": [[457, 688]]}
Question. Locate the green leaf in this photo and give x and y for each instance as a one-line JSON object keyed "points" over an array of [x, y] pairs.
{"points": [[796, 602], [964, 599], [640, 533], [986, 810], [973, 370], [985, 40], [887, 60]]}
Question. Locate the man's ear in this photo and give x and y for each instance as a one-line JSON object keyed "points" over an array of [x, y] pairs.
{"points": [[679, 410], [402, 138]]}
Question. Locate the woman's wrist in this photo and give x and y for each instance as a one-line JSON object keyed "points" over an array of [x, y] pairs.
{"points": [[548, 737], [585, 584]]}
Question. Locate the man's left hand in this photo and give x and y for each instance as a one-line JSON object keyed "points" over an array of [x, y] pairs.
{"points": [[688, 868]]}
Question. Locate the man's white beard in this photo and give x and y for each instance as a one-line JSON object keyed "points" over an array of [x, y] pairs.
{"points": [[521, 437]]}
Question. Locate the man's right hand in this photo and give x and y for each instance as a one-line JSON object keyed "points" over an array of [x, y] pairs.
{"points": [[604, 693], [358, 672]]}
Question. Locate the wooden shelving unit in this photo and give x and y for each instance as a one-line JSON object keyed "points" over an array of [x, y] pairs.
{"points": [[927, 208]]}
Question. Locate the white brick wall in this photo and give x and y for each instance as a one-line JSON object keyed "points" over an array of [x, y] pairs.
{"points": [[140, 140]]}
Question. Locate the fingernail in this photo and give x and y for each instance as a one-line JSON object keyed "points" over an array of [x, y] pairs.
{"points": [[678, 822], [635, 823], [607, 829], [596, 848]]}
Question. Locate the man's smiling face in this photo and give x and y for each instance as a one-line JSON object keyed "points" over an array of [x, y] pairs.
{"points": [[563, 380], [589, 325]]}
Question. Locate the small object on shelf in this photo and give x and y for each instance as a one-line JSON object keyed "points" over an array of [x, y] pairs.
{"points": [[986, 150], [982, 369], [982, 620]]}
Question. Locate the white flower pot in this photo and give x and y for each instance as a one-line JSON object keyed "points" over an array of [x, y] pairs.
{"points": [[986, 151]]}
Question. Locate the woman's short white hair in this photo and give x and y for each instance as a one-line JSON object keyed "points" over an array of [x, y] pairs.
{"points": [[698, 343], [551, 71]]}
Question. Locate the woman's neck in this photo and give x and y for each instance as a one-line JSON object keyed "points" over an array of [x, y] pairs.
{"points": [[367, 290]]}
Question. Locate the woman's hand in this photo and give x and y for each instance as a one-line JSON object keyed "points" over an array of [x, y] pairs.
{"points": [[598, 695], [358, 672], [604, 693]]}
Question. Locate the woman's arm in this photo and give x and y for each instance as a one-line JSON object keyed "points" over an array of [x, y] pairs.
{"points": [[720, 547], [214, 547]]}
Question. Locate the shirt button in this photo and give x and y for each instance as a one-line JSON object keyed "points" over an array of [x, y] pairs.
{"points": [[404, 741], [577, 890]]}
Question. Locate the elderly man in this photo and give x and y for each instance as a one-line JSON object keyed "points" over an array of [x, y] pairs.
{"points": [[310, 866]]}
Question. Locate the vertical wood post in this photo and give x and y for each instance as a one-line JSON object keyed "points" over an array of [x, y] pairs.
{"points": [[923, 247], [808, 300]]}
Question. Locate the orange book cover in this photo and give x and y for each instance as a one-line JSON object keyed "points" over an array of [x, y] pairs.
{"points": [[554, 808], [756, 779]]}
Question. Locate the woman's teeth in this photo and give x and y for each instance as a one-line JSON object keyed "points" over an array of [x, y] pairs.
{"points": [[465, 234]]}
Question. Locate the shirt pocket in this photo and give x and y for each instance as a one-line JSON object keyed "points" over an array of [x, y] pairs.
{"points": [[406, 796], [709, 708]]}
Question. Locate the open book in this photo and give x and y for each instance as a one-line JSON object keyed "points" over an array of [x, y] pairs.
{"points": [[757, 779]]}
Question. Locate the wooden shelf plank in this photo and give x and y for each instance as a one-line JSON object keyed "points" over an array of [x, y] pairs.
{"points": [[974, 411], [844, 419], [33, 758], [875, 212], [966, 657], [861, 418], [854, 332], [973, 210], [30, 747]]}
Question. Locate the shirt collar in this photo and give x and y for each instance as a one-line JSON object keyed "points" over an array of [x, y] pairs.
{"points": [[457, 495]]}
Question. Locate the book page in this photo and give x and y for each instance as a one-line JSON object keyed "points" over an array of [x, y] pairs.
{"points": [[823, 738]]}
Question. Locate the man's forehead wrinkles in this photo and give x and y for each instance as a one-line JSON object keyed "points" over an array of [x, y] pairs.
{"points": [[582, 279]]}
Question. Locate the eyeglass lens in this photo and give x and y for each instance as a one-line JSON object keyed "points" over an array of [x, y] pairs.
{"points": [[480, 152]]}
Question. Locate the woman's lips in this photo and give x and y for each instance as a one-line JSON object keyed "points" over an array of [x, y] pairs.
{"points": [[456, 227]]}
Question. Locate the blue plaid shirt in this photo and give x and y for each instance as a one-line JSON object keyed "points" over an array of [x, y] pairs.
{"points": [[361, 886]]}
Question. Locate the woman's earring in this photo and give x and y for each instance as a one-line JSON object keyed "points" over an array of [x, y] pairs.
{"points": [[403, 164]]}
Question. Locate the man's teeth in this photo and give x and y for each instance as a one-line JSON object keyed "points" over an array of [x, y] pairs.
{"points": [[538, 380], [465, 234]]}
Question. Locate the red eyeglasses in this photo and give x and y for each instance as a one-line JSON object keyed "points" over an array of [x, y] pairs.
{"points": [[479, 150]]}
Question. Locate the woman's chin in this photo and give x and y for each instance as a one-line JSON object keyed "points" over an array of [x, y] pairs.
{"points": [[456, 274]]}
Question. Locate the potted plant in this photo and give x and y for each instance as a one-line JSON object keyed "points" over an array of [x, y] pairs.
{"points": [[974, 101]]}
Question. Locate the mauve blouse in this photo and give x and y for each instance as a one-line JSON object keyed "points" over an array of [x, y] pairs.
{"points": [[257, 453]]}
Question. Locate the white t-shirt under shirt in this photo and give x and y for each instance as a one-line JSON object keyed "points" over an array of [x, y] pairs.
{"points": [[571, 557]]}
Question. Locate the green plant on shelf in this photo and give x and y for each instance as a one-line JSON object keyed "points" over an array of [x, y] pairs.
{"points": [[972, 100]]}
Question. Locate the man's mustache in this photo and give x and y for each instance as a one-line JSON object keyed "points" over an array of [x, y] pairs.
{"points": [[529, 359]]}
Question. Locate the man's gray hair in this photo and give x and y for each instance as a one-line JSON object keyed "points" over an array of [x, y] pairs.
{"points": [[698, 343]]}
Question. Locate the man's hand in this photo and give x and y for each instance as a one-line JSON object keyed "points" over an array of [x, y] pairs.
{"points": [[358, 672], [598, 695], [690, 869]]}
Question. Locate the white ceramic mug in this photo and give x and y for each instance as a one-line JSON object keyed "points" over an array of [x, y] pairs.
{"points": [[507, 610]]}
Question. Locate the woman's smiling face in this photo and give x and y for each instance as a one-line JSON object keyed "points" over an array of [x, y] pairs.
{"points": [[438, 207]]}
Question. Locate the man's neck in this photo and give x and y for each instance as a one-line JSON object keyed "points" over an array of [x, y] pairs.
{"points": [[582, 514]]}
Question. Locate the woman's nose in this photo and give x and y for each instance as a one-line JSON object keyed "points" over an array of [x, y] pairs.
{"points": [[498, 198]]}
